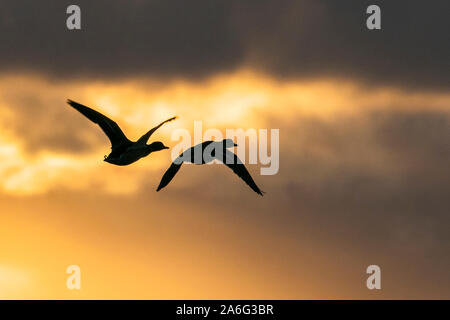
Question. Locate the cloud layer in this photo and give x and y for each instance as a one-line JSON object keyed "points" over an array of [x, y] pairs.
{"points": [[297, 39]]}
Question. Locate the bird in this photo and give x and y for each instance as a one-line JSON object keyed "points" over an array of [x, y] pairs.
{"points": [[123, 150], [207, 152]]}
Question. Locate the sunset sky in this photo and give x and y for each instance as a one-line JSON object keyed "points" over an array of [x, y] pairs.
{"points": [[364, 178]]}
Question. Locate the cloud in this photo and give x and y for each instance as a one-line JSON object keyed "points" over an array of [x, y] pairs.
{"points": [[189, 39], [416, 140], [363, 179], [40, 132], [353, 188]]}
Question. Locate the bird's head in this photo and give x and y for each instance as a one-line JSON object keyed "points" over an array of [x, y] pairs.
{"points": [[157, 146]]}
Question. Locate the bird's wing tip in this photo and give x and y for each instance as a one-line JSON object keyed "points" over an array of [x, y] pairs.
{"points": [[71, 102]]}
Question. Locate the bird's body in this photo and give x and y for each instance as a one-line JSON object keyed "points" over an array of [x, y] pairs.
{"points": [[123, 150], [128, 154], [207, 152]]}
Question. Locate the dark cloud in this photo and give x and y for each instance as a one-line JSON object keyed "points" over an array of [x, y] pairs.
{"points": [[194, 38], [321, 38], [384, 181], [117, 38], [374, 186], [419, 135]]}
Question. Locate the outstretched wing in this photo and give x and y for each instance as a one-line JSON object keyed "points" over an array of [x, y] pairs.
{"points": [[234, 163], [146, 136], [169, 174], [109, 127]]}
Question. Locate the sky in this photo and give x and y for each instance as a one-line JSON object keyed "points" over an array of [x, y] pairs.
{"points": [[364, 127]]}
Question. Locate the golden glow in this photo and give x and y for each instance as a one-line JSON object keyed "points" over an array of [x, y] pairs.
{"points": [[64, 206], [238, 100], [13, 281]]}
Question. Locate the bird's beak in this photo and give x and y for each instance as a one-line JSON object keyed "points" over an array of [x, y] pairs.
{"points": [[166, 147]]}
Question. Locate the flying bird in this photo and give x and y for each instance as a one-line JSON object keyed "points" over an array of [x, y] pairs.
{"points": [[206, 152], [123, 151]]}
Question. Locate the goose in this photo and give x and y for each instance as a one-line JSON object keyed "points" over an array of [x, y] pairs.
{"points": [[123, 151], [205, 152]]}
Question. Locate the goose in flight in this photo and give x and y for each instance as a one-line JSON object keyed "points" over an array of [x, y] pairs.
{"points": [[207, 152], [123, 151]]}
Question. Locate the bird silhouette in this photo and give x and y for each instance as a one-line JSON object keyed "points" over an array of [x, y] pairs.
{"points": [[123, 151], [207, 152]]}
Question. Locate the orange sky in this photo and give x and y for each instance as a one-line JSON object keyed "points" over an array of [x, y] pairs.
{"points": [[207, 235]]}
